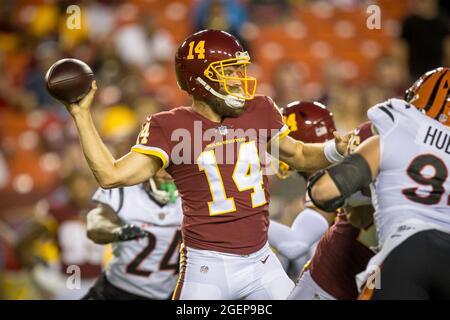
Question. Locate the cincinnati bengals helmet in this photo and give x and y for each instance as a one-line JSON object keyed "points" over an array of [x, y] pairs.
{"points": [[430, 93], [200, 64], [310, 122]]}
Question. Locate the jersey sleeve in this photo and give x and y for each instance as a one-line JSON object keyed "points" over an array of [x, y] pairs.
{"points": [[111, 197], [385, 116], [153, 141], [276, 126]]}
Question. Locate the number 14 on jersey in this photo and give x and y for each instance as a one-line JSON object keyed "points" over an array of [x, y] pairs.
{"points": [[247, 175]]}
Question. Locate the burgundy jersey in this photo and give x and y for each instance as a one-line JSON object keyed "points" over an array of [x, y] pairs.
{"points": [[74, 247], [219, 172], [341, 254]]}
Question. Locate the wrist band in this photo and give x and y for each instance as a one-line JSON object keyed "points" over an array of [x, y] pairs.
{"points": [[331, 153]]}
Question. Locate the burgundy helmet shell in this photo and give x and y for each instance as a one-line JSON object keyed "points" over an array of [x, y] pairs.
{"points": [[200, 63], [309, 122], [363, 132]]}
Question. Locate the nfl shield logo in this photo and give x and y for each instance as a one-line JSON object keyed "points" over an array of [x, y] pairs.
{"points": [[204, 269], [223, 130], [320, 131]]}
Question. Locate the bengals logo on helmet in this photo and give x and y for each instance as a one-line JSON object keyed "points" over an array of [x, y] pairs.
{"points": [[430, 93]]}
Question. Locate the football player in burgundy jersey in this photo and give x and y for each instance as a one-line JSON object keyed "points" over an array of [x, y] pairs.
{"points": [[309, 122], [214, 150], [344, 250]]}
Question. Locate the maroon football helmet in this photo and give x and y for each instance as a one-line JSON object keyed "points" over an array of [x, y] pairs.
{"points": [[201, 62], [309, 122], [363, 132]]}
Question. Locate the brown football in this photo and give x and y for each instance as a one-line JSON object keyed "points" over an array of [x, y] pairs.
{"points": [[69, 80]]}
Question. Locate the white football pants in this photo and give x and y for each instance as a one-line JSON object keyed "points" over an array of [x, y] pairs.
{"points": [[212, 275]]}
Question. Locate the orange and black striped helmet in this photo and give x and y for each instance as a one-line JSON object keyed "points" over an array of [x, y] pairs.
{"points": [[431, 93]]}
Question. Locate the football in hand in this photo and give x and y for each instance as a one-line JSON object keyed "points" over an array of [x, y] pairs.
{"points": [[69, 80]]}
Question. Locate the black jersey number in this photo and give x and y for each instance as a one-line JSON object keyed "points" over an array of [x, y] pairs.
{"points": [[133, 266], [436, 181]]}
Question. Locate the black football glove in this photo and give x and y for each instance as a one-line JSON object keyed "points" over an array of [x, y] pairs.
{"points": [[129, 232]]}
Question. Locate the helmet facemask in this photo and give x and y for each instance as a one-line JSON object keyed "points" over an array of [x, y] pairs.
{"points": [[217, 72]]}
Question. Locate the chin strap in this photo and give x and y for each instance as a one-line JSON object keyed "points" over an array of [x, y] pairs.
{"points": [[230, 101]]}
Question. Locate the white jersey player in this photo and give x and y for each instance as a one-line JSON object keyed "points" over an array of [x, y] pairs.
{"points": [[410, 161], [143, 223], [413, 168]]}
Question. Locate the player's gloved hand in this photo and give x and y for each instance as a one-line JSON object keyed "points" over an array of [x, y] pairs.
{"points": [[128, 232]]}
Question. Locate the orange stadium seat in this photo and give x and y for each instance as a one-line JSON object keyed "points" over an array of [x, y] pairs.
{"points": [[354, 47], [25, 161]]}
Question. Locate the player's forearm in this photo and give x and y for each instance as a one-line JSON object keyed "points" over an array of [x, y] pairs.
{"points": [[100, 228], [359, 168], [97, 155], [314, 156], [309, 157], [324, 189], [329, 188]]}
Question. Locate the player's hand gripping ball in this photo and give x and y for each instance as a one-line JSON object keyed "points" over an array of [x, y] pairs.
{"points": [[69, 80]]}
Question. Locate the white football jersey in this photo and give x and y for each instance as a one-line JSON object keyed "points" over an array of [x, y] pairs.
{"points": [[148, 266], [413, 180]]}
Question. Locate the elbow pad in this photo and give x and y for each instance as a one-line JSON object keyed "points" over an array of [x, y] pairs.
{"points": [[349, 176]]}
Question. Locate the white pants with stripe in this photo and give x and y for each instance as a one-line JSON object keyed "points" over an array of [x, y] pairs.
{"points": [[211, 275]]}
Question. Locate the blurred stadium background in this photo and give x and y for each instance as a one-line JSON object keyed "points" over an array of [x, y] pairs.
{"points": [[301, 50]]}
